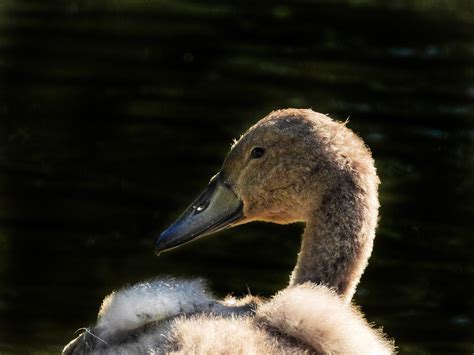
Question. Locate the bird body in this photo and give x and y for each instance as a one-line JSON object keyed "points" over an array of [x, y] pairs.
{"points": [[292, 166], [181, 317]]}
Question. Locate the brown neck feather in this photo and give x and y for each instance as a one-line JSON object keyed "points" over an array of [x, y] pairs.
{"points": [[338, 237]]}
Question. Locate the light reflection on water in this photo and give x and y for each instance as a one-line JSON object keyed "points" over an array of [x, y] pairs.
{"points": [[119, 116]]}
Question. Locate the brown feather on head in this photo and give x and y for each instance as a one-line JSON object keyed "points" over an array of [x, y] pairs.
{"points": [[304, 154]]}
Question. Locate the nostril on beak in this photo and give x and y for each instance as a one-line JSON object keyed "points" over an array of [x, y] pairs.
{"points": [[200, 207]]}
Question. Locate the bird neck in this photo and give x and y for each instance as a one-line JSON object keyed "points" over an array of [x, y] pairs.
{"points": [[338, 238]]}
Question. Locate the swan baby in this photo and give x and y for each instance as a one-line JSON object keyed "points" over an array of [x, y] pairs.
{"points": [[294, 165]]}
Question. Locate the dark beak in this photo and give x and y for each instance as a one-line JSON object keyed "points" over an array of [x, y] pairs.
{"points": [[215, 209]]}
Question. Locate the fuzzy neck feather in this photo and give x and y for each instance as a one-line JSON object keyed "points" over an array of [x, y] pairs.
{"points": [[338, 238]]}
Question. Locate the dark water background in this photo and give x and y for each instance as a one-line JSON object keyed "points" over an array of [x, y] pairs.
{"points": [[114, 115]]}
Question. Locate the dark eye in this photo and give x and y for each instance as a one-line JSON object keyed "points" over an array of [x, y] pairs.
{"points": [[257, 152]]}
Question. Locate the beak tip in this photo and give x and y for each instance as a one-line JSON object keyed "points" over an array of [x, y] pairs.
{"points": [[160, 245], [167, 240], [215, 209]]}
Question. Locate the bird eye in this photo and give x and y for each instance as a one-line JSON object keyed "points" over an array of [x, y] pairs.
{"points": [[257, 152]]}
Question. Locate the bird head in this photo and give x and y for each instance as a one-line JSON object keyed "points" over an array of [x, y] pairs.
{"points": [[276, 172]]}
